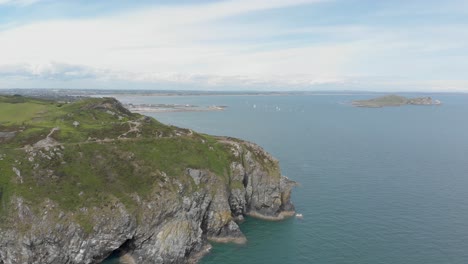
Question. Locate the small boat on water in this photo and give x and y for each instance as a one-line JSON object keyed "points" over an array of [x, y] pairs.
{"points": [[299, 216]]}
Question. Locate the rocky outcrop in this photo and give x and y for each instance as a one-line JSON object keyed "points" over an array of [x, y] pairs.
{"points": [[174, 224], [108, 104], [423, 101]]}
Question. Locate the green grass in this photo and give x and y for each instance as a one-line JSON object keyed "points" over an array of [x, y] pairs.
{"points": [[173, 155], [20, 112], [35, 118], [387, 100], [92, 173], [88, 173], [5, 185]]}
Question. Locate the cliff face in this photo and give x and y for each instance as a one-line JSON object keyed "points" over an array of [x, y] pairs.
{"points": [[153, 195]]}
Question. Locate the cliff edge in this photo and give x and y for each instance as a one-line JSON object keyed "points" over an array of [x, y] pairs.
{"points": [[83, 181]]}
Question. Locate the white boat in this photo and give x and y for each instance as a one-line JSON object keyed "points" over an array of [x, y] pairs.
{"points": [[299, 216]]}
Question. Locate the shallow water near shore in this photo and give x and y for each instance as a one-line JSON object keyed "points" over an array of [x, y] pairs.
{"points": [[385, 185]]}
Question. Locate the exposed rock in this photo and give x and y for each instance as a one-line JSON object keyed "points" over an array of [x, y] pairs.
{"points": [[108, 104], [168, 227], [47, 142], [134, 128], [136, 189], [196, 175], [18, 174]]}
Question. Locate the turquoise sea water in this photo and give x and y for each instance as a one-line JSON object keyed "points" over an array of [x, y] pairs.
{"points": [[377, 186]]}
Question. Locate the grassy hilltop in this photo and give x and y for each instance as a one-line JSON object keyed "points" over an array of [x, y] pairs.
{"points": [[86, 180], [98, 151]]}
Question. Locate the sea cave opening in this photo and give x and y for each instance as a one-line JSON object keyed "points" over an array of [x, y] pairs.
{"points": [[115, 257]]}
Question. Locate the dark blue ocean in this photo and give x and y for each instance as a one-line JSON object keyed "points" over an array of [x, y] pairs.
{"points": [[377, 186]]}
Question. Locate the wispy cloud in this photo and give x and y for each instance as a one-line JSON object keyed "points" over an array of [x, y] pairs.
{"points": [[214, 45], [51, 71], [172, 39], [18, 2]]}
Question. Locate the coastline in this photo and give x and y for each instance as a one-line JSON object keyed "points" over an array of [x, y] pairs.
{"points": [[167, 108]]}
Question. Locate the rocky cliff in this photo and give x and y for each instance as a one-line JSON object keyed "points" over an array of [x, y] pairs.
{"points": [[87, 180]]}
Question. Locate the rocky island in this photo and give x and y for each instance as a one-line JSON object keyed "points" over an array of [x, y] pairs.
{"points": [[83, 181], [395, 100]]}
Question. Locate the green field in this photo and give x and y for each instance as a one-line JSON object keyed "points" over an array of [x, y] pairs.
{"points": [[17, 113], [112, 153]]}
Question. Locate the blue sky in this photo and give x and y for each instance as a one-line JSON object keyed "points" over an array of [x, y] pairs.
{"points": [[393, 45]]}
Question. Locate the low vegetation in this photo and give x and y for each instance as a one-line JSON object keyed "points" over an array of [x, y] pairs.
{"points": [[94, 151]]}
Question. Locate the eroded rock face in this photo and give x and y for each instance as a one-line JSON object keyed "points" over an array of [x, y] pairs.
{"points": [[173, 225]]}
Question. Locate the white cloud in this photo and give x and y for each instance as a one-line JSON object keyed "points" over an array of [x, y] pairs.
{"points": [[195, 45], [53, 71], [18, 2], [72, 76], [66, 72], [160, 40]]}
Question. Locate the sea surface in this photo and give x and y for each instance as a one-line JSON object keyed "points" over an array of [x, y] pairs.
{"points": [[377, 186]]}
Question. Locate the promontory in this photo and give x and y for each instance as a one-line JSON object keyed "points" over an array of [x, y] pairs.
{"points": [[85, 180]]}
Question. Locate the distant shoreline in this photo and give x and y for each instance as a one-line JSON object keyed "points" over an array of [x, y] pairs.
{"points": [[70, 95], [168, 108], [222, 94]]}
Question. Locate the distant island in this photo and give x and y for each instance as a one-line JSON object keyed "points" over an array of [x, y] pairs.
{"points": [[394, 100]]}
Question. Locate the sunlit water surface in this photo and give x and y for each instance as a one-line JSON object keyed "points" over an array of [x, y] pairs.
{"points": [[377, 186]]}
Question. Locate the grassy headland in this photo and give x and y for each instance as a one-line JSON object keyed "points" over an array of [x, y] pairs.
{"points": [[93, 151]]}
